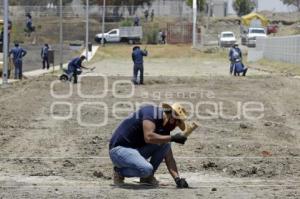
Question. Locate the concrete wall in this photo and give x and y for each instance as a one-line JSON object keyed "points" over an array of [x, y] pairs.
{"points": [[219, 8], [269, 5], [284, 49]]}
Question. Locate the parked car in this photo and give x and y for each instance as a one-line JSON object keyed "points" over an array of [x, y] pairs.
{"points": [[226, 39], [130, 34], [249, 37], [273, 28]]}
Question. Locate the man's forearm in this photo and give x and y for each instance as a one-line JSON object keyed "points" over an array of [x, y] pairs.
{"points": [[171, 164], [84, 67], [155, 138]]}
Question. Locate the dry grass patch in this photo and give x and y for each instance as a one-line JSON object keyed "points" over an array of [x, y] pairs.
{"points": [[278, 67], [156, 52]]}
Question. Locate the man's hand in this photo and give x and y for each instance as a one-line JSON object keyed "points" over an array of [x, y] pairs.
{"points": [[178, 138], [181, 183]]}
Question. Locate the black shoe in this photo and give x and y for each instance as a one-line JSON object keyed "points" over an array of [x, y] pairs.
{"points": [[245, 72], [134, 82], [117, 178], [151, 180]]}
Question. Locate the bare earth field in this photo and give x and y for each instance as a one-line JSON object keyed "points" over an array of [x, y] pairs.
{"points": [[229, 156]]}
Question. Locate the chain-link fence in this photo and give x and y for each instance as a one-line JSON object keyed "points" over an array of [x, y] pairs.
{"points": [[284, 49], [164, 8], [46, 20]]}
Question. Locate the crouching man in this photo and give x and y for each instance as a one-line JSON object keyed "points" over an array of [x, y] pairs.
{"points": [[144, 135]]}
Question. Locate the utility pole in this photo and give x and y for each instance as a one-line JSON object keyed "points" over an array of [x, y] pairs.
{"points": [[255, 2], [103, 21], [61, 34], [256, 5], [194, 23], [87, 30], [208, 15], [5, 46]]}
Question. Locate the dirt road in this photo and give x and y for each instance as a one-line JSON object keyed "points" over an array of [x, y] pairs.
{"points": [[50, 147]]}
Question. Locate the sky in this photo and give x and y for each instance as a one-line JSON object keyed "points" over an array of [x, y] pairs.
{"points": [[271, 5]]}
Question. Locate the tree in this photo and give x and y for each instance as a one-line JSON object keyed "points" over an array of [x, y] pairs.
{"points": [[36, 2], [132, 5], [200, 4], [119, 2], [243, 7], [292, 2]]}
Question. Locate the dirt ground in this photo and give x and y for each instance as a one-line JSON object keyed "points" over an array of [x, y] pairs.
{"points": [[33, 61], [44, 156]]}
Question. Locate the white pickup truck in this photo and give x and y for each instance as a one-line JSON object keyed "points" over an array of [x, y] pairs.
{"points": [[226, 39], [131, 34], [249, 38]]}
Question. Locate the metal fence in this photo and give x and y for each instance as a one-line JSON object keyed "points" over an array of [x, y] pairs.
{"points": [[284, 49], [160, 8], [179, 33], [46, 20]]}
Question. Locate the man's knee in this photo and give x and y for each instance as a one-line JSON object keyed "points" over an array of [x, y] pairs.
{"points": [[146, 170]]}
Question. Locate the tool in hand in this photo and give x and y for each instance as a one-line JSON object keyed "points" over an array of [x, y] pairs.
{"points": [[189, 128]]}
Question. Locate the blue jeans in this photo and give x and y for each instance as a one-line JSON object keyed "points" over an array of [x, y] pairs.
{"points": [[136, 69], [73, 74], [131, 162], [45, 62], [231, 67], [18, 69]]}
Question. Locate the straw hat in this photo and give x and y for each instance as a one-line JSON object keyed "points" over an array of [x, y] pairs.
{"points": [[178, 109]]}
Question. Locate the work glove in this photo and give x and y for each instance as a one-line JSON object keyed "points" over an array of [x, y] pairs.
{"points": [[181, 183], [178, 138]]}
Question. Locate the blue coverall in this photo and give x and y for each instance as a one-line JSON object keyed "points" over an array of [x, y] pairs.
{"points": [[74, 68], [44, 55], [29, 24], [136, 21], [18, 54], [138, 60], [234, 53]]}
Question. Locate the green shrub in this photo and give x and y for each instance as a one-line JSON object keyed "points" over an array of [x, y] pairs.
{"points": [[126, 22], [17, 33], [76, 43], [151, 34]]}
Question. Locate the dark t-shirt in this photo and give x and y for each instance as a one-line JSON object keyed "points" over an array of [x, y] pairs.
{"points": [[138, 56], [74, 64], [130, 132]]}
